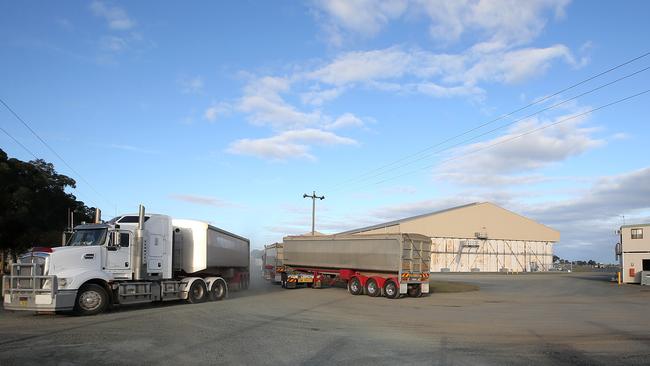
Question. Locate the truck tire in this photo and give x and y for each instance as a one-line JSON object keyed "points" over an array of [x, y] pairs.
{"points": [[197, 292], [218, 290], [391, 290], [354, 286], [91, 299], [414, 291], [372, 289], [283, 280]]}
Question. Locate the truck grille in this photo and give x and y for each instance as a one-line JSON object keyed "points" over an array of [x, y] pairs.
{"points": [[29, 275]]}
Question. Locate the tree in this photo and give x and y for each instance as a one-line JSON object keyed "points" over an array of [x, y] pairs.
{"points": [[556, 259], [34, 204]]}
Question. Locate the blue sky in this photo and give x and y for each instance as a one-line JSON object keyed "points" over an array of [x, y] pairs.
{"points": [[229, 112]]}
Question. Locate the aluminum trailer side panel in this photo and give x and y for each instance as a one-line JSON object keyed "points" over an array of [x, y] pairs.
{"points": [[226, 249], [382, 253], [200, 246]]}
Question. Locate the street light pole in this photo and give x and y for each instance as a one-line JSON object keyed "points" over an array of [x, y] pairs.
{"points": [[313, 197]]}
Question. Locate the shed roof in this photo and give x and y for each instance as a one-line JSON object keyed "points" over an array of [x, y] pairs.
{"points": [[465, 221]]}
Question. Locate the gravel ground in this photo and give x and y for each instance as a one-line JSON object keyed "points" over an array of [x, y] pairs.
{"points": [[547, 319]]}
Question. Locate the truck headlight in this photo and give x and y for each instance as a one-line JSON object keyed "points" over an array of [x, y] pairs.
{"points": [[62, 282]]}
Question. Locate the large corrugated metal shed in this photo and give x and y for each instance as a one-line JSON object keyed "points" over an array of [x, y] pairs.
{"points": [[474, 220]]}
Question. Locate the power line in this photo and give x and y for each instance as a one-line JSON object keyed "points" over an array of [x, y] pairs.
{"points": [[425, 156], [51, 149], [518, 136], [79, 192], [19, 143], [493, 120]]}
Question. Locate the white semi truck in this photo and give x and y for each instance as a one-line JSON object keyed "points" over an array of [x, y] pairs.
{"points": [[134, 258]]}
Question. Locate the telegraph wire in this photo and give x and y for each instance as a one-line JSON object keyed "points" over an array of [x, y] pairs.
{"points": [[19, 143], [79, 192], [428, 155], [518, 136], [492, 121], [51, 149]]}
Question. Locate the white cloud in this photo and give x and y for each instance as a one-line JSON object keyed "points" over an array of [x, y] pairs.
{"points": [[201, 200], [288, 144], [113, 43], [319, 97], [132, 148], [608, 198], [587, 222], [438, 91], [191, 85], [529, 152], [512, 66], [116, 17], [275, 112], [363, 66], [365, 17], [64, 23], [456, 74], [217, 110], [505, 22], [263, 102], [345, 120]]}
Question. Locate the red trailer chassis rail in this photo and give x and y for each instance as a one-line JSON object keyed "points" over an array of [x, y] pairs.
{"points": [[391, 285]]}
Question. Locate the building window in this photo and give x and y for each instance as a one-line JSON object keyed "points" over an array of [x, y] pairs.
{"points": [[637, 233]]}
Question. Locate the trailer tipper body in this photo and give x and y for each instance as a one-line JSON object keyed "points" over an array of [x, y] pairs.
{"points": [[134, 258], [272, 259], [390, 265]]}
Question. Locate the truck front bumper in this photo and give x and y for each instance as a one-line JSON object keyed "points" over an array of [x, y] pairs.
{"points": [[63, 300], [24, 289]]}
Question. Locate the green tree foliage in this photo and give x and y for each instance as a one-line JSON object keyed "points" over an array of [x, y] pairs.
{"points": [[34, 205]]}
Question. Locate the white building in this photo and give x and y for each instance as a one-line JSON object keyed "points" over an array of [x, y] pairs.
{"points": [[634, 251]]}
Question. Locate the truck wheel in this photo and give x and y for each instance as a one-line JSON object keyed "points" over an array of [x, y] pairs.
{"points": [[391, 290], [92, 299], [414, 291], [372, 289], [354, 286], [283, 280], [218, 291], [197, 292]]}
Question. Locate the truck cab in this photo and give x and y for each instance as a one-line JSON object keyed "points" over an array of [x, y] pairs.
{"points": [[134, 258]]}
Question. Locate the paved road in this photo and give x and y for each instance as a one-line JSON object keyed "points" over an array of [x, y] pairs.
{"points": [[549, 319]]}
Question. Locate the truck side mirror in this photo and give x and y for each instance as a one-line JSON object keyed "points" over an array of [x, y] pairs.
{"points": [[114, 243]]}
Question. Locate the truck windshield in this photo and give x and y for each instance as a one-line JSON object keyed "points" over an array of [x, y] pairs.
{"points": [[88, 237]]}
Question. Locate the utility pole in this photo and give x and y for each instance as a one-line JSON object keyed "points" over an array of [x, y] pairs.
{"points": [[313, 208]]}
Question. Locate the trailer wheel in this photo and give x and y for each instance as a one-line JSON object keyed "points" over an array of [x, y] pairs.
{"points": [[391, 290], [414, 291], [197, 292], [354, 286], [92, 299], [218, 291], [372, 289]]}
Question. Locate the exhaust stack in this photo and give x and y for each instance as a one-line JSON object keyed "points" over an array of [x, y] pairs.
{"points": [[98, 216], [139, 265]]}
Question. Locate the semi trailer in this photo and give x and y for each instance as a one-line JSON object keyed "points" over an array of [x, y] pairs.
{"points": [[134, 258], [388, 265], [272, 262]]}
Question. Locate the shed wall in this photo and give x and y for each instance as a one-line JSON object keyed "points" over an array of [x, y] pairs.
{"points": [[492, 255]]}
